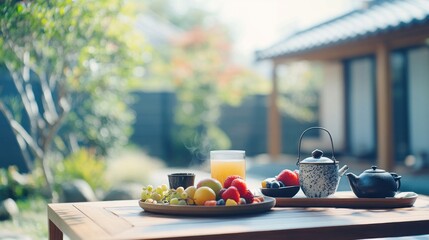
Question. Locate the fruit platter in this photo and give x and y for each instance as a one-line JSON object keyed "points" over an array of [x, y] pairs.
{"points": [[208, 198]]}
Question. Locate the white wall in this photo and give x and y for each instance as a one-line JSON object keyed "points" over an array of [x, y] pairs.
{"points": [[418, 92], [362, 107], [332, 104]]}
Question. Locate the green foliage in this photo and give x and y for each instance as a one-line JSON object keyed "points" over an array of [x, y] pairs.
{"points": [[18, 186], [83, 56], [299, 88], [85, 165]]}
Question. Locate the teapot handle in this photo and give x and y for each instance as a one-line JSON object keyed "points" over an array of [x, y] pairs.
{"points": [[397, 180], [311, 128]]}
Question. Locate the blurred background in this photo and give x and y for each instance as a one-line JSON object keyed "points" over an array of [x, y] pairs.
{"points": [[98, 98]]}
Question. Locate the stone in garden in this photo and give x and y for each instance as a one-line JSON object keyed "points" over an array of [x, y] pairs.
{"points": [[77, 191], [125, 191], [8, 209]]}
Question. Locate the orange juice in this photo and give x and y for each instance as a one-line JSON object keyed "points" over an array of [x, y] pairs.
{"points": [[222, 168]]}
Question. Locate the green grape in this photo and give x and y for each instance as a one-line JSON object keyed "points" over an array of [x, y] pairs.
{"points": [[184, 195], [156, 196], [182, 202], [149, 200], [180, 190], [175, 195], [164, 187], [174, 201], [149, 188], [145, 195], [159, 190]]}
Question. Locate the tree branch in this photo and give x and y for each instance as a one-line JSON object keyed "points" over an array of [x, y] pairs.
{"points": [[26, 93], [19, 130], [65, 108]]}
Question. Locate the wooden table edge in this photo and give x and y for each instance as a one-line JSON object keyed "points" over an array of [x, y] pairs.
{"points": [[59, 226]]}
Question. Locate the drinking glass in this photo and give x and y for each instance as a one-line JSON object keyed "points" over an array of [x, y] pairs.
{"points": [[224, 163]]}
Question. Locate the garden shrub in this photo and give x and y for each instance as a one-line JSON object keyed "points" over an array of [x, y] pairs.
{"points": [[83, 164]]}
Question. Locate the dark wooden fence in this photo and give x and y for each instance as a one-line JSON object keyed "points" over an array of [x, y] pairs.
{"points": [[245, 125]]}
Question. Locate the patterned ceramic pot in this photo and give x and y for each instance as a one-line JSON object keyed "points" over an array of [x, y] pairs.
{"points": [[319, 176], [318, 180]]}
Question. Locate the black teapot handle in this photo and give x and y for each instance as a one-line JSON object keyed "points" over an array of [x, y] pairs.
{"points": [[300, 139], [397, 180]]}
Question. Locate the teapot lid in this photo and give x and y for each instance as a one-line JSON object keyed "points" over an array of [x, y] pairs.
{"points": [[317, 158], [374, 170]]}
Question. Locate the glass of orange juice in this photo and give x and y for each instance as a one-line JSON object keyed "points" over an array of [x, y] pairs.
{"points": [[224, 163]]}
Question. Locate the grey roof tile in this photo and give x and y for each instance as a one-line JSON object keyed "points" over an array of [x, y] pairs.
{"points": [[380, 16]]}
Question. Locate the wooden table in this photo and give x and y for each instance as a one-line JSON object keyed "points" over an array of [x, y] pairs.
{"points": [[126, 220]]}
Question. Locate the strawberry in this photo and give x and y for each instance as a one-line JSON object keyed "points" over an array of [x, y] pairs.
{"points": [[240, 184], [248, 196], [229, 180], [231, 193], [288, 178]]}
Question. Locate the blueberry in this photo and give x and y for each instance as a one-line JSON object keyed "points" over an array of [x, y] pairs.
{"points": [[268, 184], [220, 202], [275, 184], [281, 184]]}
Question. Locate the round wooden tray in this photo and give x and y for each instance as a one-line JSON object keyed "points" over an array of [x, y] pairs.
{"points": [[193, 210]]}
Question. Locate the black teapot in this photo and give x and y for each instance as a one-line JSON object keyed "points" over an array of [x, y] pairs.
{"points": [[374, 183]]}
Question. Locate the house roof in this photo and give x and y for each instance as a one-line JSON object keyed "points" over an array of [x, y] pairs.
{"points": [[380, 16]]}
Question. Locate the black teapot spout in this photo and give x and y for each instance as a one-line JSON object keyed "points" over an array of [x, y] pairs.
{"points": [[353, 181]]}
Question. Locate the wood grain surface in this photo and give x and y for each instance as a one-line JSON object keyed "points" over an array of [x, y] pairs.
{"points": [[126, 220]]}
